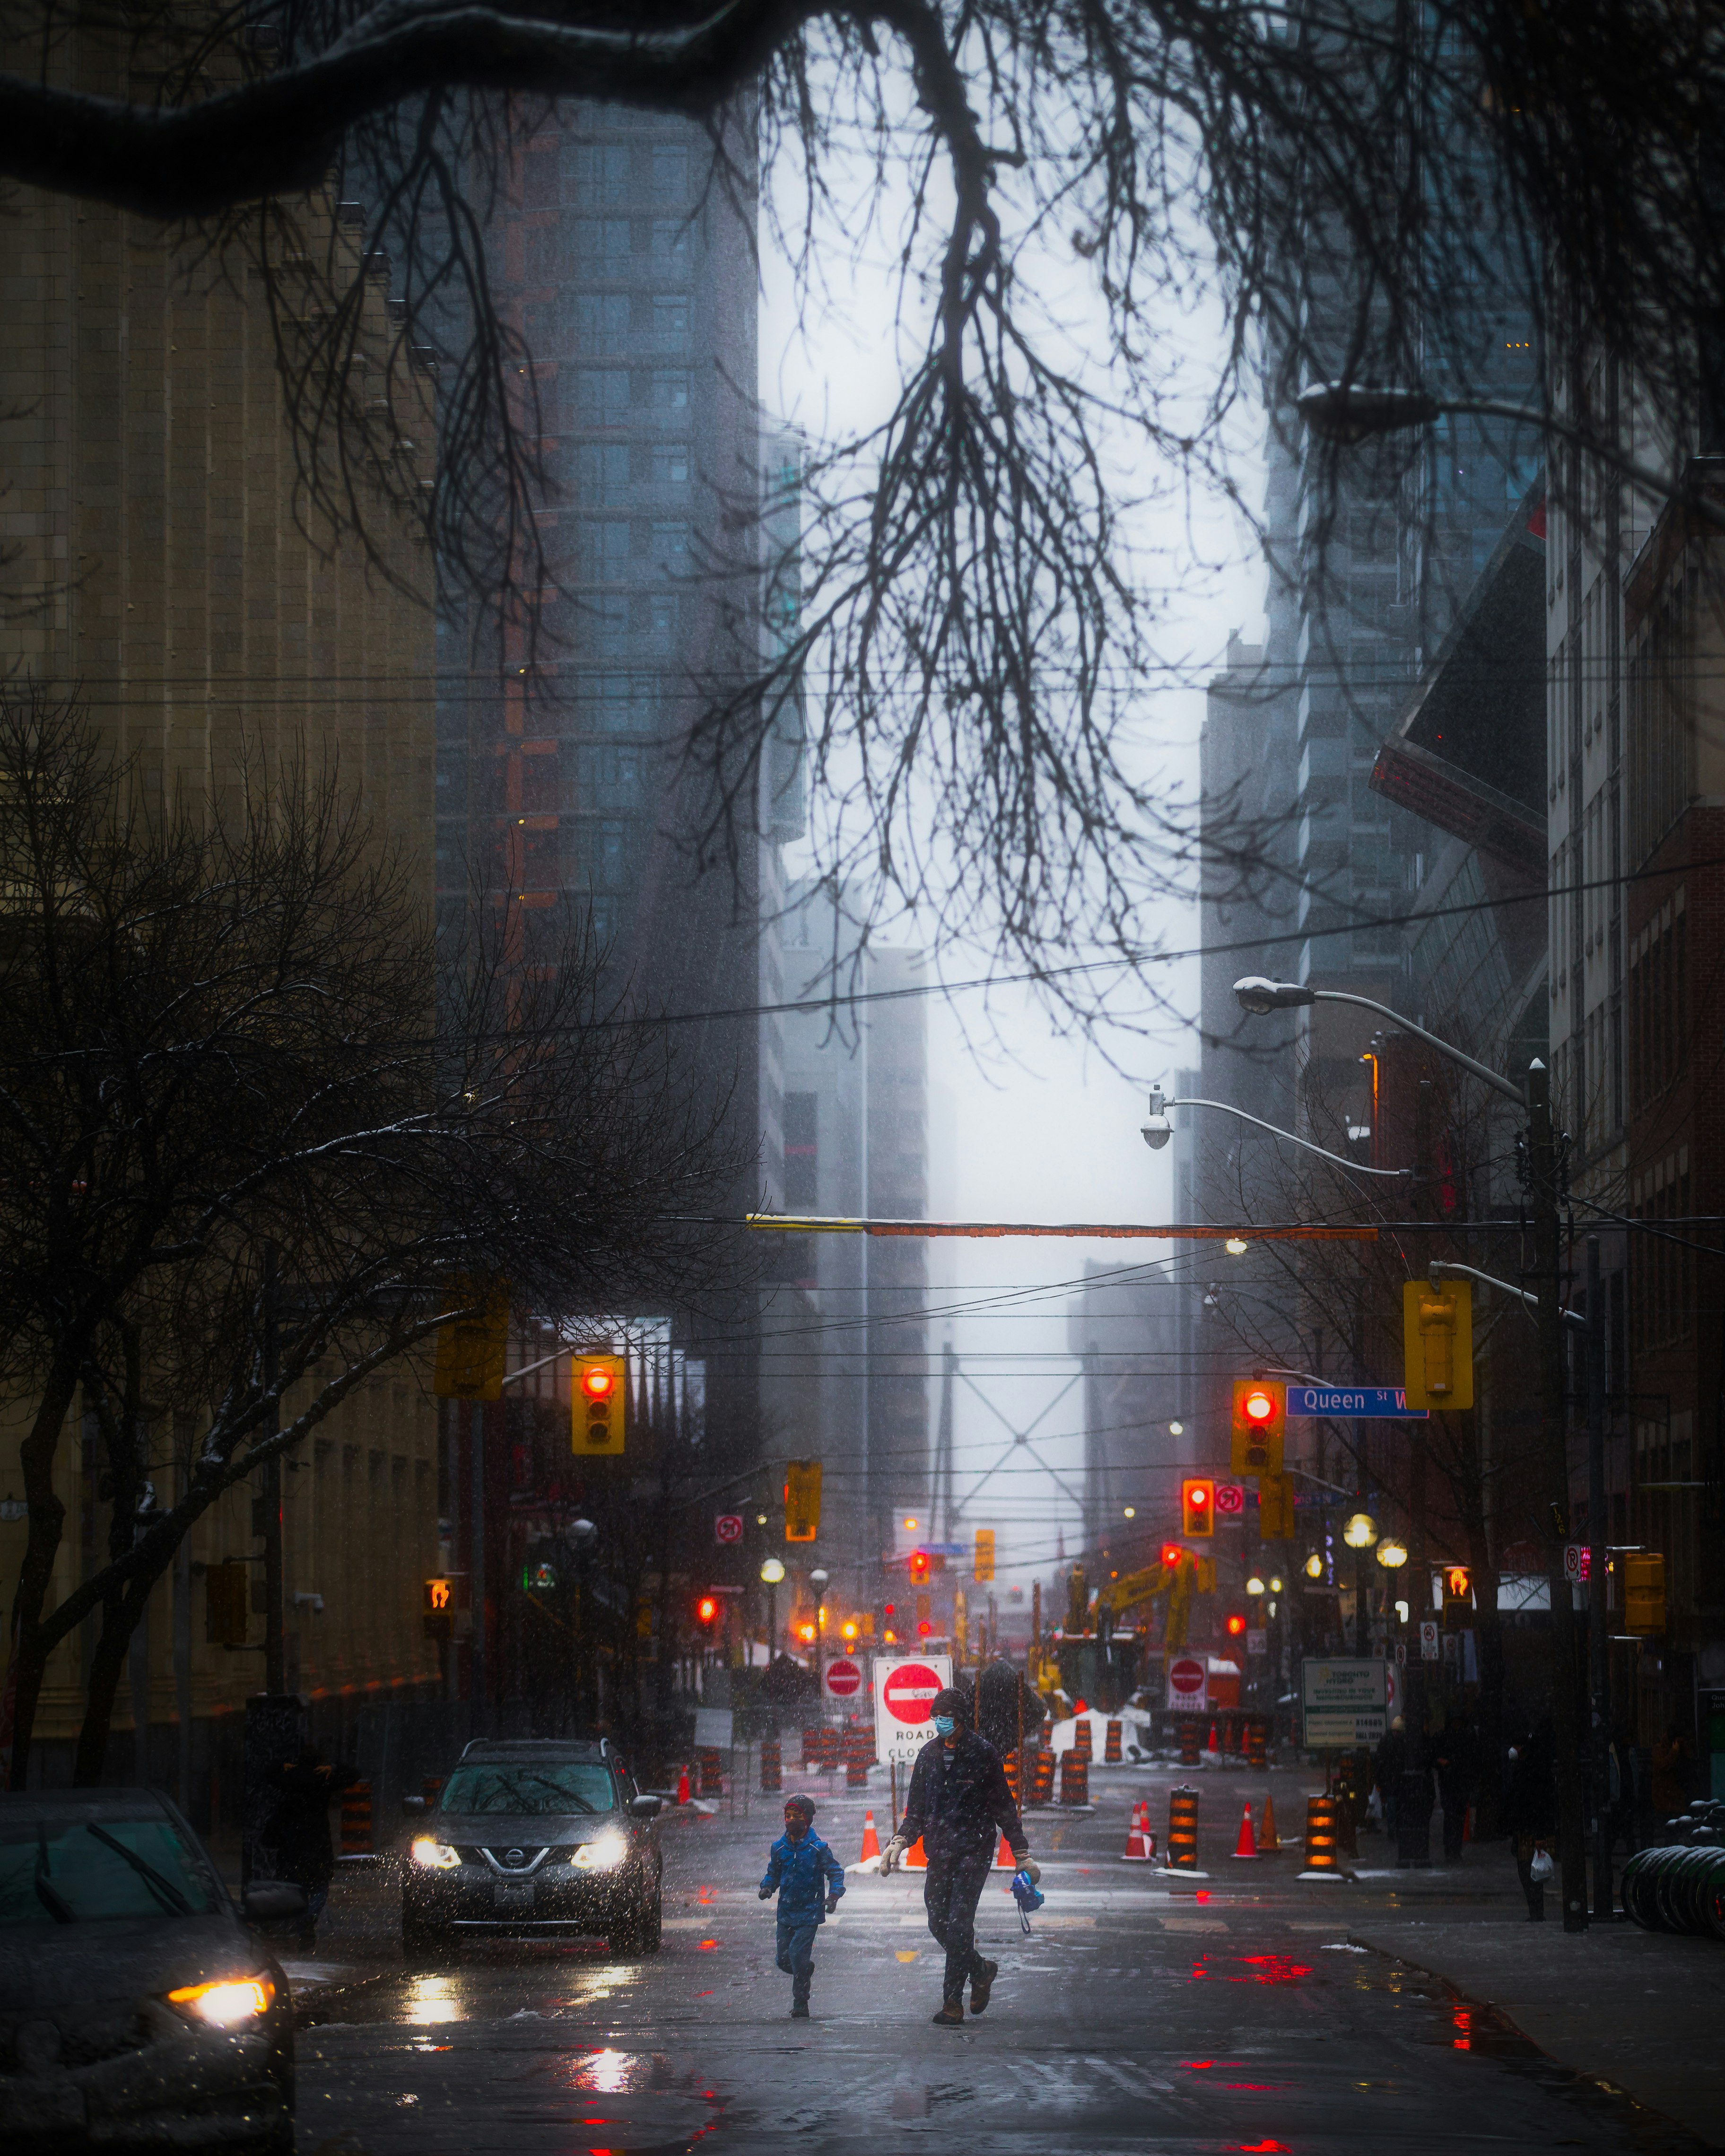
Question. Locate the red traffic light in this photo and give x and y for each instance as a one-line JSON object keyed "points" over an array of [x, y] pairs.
{"points": [[707, 1609], [924, 1629], [597, 1384], [1171, 1554], [1259, 1405], [1236, 1626], [920, 1566], [889, 1610]]}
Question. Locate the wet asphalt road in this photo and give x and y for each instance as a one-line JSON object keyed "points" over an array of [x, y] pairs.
{"points": [[1227, 2014]]}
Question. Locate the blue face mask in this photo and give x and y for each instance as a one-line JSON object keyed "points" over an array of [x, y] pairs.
{"points": [[944, 1725]]}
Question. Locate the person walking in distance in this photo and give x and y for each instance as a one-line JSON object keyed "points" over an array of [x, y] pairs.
{"points": [[808, 1879], [958, 1805]]}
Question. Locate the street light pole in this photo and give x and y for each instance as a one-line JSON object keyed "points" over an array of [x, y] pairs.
{"points": [[1601, 1652], [1260, 995]]}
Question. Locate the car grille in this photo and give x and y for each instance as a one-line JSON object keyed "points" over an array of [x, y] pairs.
{"points": [[515, 1859]]}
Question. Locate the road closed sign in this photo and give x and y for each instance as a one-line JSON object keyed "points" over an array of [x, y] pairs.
{"points": [[844, 1678], [1187, 1682], [905, 1688]]}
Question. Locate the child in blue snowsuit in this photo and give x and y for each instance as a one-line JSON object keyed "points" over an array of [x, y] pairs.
{"points": [[808, 1879]]}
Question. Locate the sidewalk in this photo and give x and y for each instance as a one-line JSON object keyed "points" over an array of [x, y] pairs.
{"points": [[1642, 2011]]}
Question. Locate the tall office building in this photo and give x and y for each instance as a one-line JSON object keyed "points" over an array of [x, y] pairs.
{"points": [[846, 1333], [622, 255]]}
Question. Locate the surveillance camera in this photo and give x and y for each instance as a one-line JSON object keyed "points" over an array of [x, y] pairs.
{"points": [[1157, 1132]]}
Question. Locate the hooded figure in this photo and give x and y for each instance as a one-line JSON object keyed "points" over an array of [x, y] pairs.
{"points": [[299, 1829], [958, 1806]]}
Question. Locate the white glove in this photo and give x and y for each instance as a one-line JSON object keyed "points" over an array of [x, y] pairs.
{"points": [[892, 1853], [1030, 1868]]}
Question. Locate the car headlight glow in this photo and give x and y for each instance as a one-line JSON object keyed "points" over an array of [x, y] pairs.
{"points": [[226, 2003], [604, 1854], [436, 1856]]}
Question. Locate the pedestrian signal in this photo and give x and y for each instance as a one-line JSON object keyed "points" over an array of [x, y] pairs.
{"points": [[802, 1501], [1437, 1334], [984, 1568], [472, 1351], [1197, 1508], [1643, 1592], [706, 1610], [439, 1597], [598, 1407], [1260, 1414], [1458, 1583]]}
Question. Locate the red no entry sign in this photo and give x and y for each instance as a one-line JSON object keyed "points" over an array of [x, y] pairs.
{"points": [[909, 1692], [844, 1678], [1230, 1499], [1186, 1679]]}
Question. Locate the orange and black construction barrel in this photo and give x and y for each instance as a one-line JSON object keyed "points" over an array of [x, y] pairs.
{"points": [[1110, 1746], [1191, 1738], [1322, 1822], [357, 1819], [1183, 1830], [1075, 1778], [771, 1767]]}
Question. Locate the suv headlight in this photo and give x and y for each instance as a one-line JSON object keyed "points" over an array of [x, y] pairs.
{"points": [[604, 1854], [227, 2003], [436, 1856]]}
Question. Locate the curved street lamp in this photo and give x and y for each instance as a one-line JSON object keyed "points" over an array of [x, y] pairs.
{"points": [[1158, 1130]]}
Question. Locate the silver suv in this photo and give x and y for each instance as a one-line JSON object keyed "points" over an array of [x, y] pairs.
{"points": [[530, 1837]]}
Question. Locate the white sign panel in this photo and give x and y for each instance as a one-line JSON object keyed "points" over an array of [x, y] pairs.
{"points": [[1346, 1701], [1431, 1640], [1187, 1682], [905, 1688], [713, 1729]]}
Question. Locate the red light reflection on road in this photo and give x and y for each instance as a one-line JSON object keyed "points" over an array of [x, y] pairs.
{"points": [[1260, 1968], [1463, 2038], [1264, 2149]]}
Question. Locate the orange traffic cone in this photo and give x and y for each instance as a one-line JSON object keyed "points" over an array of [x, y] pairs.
{"points": [[1245, 1846], [1268, 1845], [916, 1856], [682, 1785], [1004, 1861], [1138, 1848], [871, 1840], [1213, 1746]]}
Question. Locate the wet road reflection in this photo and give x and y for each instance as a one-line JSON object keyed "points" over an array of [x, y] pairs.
{"points": [[1111, 2029]]}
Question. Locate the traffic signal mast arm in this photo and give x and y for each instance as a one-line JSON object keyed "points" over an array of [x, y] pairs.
{"points": [[1447, 1269]]}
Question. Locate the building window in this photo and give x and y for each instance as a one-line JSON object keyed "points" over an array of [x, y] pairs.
{"points": [[603, 239], [602, 473], [600, 173], [670, 238], [601, 397], [670, 169], [609, 620], [670, 545], [664, 617], [604, 551], [802, 1178], [602, 322], [670, 320], [670, 465], [671, 389]]}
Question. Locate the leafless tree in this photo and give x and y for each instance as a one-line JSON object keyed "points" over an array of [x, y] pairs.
{"points": [[1107, 217], [235, 1057]]}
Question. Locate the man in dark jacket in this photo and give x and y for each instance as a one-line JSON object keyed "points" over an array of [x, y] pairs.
{"points": [[809, 1880], [299, 1829], [959, 1807]]}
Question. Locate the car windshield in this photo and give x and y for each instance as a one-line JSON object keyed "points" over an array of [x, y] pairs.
{"points": [[63, 1872], [513, 1785]]}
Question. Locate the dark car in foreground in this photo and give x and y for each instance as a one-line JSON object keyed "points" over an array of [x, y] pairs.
{"points": [[135, 2006], [534, 1837]]}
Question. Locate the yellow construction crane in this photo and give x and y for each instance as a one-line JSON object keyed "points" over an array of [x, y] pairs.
{"points": [[1179, 1579]]}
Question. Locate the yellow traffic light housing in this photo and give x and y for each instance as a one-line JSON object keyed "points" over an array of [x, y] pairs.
{"points": [[984, 1568], [472, 1352], [1261, 1414], [802, 1501], [1643, 1591], [599, 1405], [1437, 1335], [1198, 1506]]}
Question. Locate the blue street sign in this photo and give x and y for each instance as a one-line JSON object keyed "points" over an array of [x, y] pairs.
{"points": [[1362, 1402]]}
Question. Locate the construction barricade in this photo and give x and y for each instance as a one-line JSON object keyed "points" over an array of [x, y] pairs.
{"points": [[1110, 1746], [858, 1751], [1257, 1745], [1075, 1778], [1322, 1822], [713, 1772], [1183, 1830], [1042, 1775], [1191, 1739], [771, 1767], [357, 1819]]}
